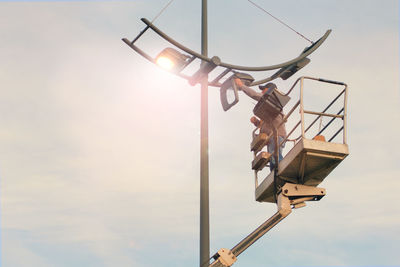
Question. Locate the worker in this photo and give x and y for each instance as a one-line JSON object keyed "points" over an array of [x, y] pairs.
{"points": [[267, 127]]}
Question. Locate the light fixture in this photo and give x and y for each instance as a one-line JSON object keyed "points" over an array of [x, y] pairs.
{"points": [[165, 63], [230, 84], [288, 71], [171, 60]]}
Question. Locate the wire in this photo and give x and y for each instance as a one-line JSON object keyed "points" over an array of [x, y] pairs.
{"points": [[280, 21], [162, 10]]}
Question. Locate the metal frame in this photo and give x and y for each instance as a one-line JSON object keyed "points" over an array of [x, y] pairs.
{"points": [[228, 67], [320, 114], [342, 114]]}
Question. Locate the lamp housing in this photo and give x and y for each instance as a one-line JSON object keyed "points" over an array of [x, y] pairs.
{"points": [[230, 84], [171, 60]]}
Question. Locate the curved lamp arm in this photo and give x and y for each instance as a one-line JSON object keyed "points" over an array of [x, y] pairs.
{"points": [[229, 68], [307, 51]]}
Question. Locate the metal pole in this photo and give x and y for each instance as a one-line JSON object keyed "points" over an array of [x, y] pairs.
{"points": [[204, 186]]}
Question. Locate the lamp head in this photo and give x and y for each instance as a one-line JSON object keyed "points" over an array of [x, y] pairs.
{"points": [[171, 60]]}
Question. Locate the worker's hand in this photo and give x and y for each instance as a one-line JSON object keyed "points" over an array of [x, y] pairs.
{"points": [[255, 121], [239, 82]]}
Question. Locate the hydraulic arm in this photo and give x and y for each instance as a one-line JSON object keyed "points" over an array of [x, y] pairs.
{"points": [[290, 196]]}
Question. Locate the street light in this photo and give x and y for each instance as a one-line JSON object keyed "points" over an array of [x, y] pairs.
{"points": [[172, 60], [230, 85]]}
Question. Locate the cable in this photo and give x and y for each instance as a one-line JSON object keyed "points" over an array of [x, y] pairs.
{"points": [[162, 10], [280, 21]]}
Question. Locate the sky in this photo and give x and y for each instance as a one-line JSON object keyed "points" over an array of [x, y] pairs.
{"points": [[100, 150]]}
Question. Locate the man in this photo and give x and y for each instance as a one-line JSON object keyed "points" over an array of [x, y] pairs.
{"points": [[267, 127]]}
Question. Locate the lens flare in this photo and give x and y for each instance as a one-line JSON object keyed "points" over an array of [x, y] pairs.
{"points": [[165, 63]]}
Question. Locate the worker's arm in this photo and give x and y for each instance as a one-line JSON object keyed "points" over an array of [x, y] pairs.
{"points": [[248, 91]]}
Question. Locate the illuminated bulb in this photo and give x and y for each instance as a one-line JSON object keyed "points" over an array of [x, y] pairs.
{"points": [[165, 63]]}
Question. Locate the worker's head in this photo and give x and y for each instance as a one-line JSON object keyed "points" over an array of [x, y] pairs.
{"points": [[267, 87]]}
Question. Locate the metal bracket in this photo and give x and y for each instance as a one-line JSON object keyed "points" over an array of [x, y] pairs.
{"points": [[295, 195], [225, 257]]}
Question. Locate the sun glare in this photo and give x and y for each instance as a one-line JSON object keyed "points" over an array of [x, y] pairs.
{"points": [[165, 63]]}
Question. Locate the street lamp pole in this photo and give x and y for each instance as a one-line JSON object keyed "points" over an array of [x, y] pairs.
{"points": [[204, 184]]}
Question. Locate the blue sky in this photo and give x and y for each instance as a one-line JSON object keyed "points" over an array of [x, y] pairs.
{"points": [[99, 158]]}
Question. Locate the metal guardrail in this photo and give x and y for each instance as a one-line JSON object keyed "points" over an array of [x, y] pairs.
{"points": [[341, 114]]}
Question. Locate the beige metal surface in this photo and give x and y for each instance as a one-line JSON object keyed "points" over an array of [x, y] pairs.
{"points": [[226, 257], [265, 191], [308, 163]]}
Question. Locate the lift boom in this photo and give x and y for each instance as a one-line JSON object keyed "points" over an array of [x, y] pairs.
{"points": [[291, 196]]}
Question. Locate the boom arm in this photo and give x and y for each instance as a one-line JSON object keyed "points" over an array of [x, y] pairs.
{"points": [[290, 196]]}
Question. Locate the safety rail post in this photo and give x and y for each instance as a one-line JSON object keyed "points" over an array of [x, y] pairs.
{"points": [[302, 107], [345, 116]]}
